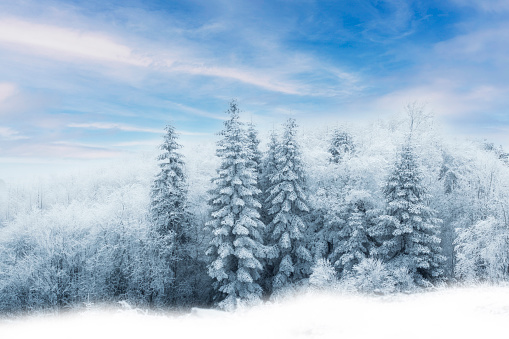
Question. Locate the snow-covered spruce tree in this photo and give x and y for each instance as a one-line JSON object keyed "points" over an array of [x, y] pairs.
{"points": [[268, 170], [168, 208], [409, 229], [171, 222], [350, 240], [341, 144], [255, 161], [236, 246], [287, 206], [255, 154]]}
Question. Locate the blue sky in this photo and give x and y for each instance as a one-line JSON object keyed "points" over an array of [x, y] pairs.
{"points": [[88, 80]]}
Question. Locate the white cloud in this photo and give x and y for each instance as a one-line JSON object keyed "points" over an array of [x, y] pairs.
{"points": [[195, 111], [253, 78], [7, 133], [478, 46], [60, 42], [181, 132], [63, 42], [452, 99], [153, 142], [116, 126]]}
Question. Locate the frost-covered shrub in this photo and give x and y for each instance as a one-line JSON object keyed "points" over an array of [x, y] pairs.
{"points": [[374, 276], [323, 274], [483, 251], [403, 279], [371, 276]]}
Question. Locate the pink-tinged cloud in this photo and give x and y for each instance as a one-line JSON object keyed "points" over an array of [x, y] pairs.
{"points": [[62, 42]]}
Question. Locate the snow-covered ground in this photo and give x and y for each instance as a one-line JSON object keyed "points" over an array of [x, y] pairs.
{"points": [[480, 312]]}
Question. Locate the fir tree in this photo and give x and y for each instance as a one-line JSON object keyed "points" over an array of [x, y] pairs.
{"points": [[255, 154], [171, 220], [236, 246], [255, 160], [287, 207], [341, 144], [448, 173], [168, 208], [409, 229], [268, 170], [350, 239]]}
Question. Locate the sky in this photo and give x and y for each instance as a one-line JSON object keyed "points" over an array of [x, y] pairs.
{"points": [[86, 81]]}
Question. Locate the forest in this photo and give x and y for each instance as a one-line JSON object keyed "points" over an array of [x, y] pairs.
{"points": [[380, 207]]}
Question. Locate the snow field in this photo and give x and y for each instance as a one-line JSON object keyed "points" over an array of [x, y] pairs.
{"points": [[474, 312]]}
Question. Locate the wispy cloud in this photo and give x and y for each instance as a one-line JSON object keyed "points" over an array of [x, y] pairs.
{"points": [[181, 132], [152, 142], [72, 69], [264, 81], [61, 42], [115, 126], [77, 46], [486, 5], [195, 111], [446, 98], [481, 45], [7, 133]]}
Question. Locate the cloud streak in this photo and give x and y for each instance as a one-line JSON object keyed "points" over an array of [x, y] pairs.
{"points": [[59, 42], [7, 133], [115, 126], [64, 43]]}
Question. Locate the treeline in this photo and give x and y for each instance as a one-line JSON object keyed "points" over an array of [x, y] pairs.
{"points": [[392, 207]]}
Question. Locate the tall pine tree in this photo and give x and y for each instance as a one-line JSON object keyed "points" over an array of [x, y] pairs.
{"points": [[169, 190], [409, 229], [288, 206], [236, 246], [348, 231], [171, 222], [253, 145], [268, 170]]}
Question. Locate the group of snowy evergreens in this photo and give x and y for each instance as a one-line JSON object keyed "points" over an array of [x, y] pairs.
{"points": [[390, 206]]}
